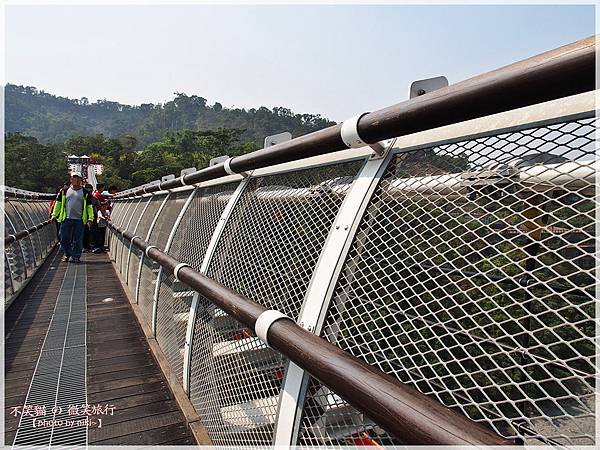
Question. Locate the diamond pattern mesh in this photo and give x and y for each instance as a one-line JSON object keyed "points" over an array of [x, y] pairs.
{"points": [[168, 216], [128, 224], [118, 245], [114, 215], [134, 216], [134, 272], [132, 226], [36, 212], [15, 265], [8, 283], [158, 236], [142, 231], [121, 216], [38, 217], [116, 211], [235, 379], [196, 228], [274, 236], [173, 311], [471, 278], [25, 243], [40, 214], [23, 211], [190, 242], [144, 226], [118, 216], [267, 251], [18, 256]]}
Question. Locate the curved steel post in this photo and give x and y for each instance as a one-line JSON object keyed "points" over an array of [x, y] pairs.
{"points": [[187, 355], [150, 229], [167, 248]]}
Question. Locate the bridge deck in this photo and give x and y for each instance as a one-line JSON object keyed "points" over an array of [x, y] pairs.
{"points": [[119, 368]]}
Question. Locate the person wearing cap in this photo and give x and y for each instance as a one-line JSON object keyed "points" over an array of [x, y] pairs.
{"points": [[73, 209]]}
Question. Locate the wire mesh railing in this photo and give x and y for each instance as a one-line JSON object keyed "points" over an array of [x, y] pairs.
{"points": [[469, 275], [29, 238], [457, 262], [477, 288]]}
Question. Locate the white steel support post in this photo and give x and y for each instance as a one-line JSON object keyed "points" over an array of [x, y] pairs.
{"points": [[120, 224], [28, 235], [35, 220], [37, 235], [321, 287], [19, 243], [125, 212], [12, 280], [150, 229], [131, 243], [216, 236], [166, 250], [214, 240], [187, 349], [320, 292], [6, 261], [112, 236], [50, 232], [126, 227], [38, 217], [110, 233], [137, 204]]}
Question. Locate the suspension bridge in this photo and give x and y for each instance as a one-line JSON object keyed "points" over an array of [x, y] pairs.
{"points": [[422, 274]]}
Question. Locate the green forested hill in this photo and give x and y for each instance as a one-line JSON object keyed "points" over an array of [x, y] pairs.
{"points": [[136, 144], [53, 119]]}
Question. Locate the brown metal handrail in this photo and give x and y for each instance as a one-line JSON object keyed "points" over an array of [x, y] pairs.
{"points": [[558, 73], [402, 410], [24, 233], [27, 195]]}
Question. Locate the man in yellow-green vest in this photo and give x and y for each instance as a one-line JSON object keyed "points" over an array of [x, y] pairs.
{"points": [[73, 209]]}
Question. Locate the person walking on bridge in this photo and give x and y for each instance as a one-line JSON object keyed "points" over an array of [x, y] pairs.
{"points": [[89, 232], [73, 209]]}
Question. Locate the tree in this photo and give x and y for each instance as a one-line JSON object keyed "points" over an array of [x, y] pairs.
{"points": [[54, 119], [33, 166], [136, 144]]}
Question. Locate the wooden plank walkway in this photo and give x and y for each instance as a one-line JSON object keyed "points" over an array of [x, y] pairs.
{"points": [[121, 370], [25, 324]]}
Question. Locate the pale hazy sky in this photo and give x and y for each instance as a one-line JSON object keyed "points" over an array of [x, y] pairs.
{"points": [[335, 60]]}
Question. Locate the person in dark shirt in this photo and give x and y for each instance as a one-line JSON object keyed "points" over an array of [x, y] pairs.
{"points": [[89, 237]]}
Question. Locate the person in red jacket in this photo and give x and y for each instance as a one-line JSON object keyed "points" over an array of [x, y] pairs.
{"points": [[98, 193]]}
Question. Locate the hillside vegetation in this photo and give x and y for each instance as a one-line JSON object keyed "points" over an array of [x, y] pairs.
{"points": [[137, 144], [53, 119]]}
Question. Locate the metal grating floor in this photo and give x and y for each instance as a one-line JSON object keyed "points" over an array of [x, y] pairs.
{"points": [[57, 395]]}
